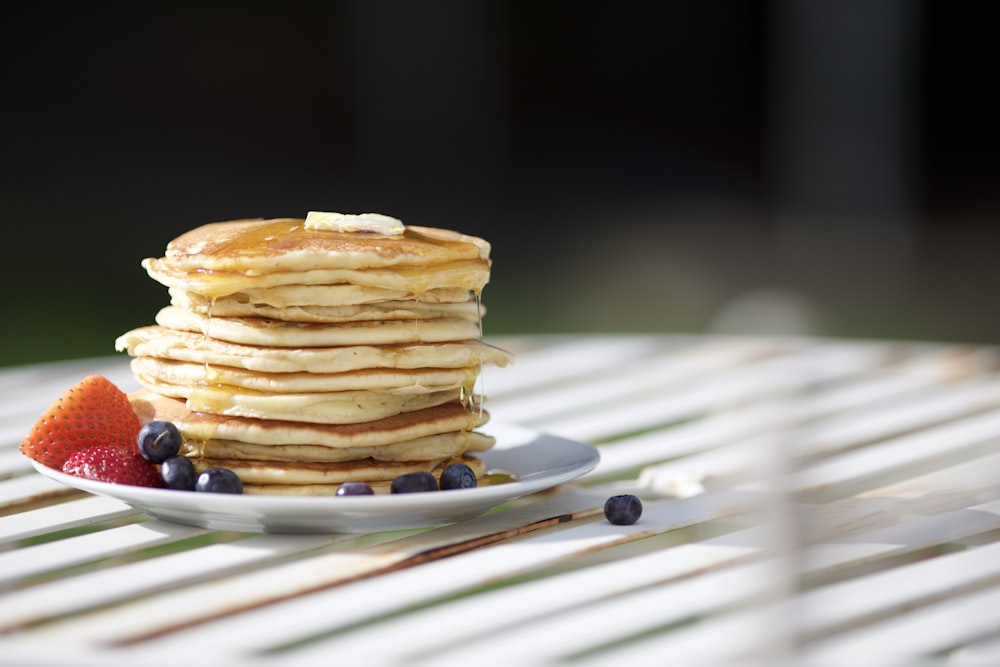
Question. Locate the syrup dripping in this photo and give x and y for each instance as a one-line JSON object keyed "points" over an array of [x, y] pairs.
{"points": [[206, 333], [482, 352]]}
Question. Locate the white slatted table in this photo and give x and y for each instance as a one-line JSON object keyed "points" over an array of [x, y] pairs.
{"points": [[807, 502]]}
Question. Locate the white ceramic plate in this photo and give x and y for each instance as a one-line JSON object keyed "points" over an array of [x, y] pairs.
{"points": [[536, 460]]}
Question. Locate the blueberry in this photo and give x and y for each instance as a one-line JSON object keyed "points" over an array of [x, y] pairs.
{"points": [[218, 480], [158, 441], [458, 476], [355, 489], [178, 473], [623, 510], [414, 482]]}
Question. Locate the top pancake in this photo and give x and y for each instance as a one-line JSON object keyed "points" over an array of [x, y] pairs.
{"points": [[254, 248]]}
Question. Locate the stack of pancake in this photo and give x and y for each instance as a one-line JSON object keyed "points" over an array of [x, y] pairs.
{"points": [[303, 356]]}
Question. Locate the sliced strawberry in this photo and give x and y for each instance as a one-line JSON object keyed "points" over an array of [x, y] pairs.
{"points": [[114, 464], [93, 412]]}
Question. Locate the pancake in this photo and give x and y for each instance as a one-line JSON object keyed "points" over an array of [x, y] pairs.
{"points": [[379, 486], [275, 333], [363, 470], [409, 310], [258, 246], [440, 446], [201, 426], [337, 407], [341, 294], [223, 258], [163, 343], [152, 370], [463, 275]]}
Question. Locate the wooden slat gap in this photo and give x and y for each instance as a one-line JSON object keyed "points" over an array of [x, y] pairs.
{"points": [[37, 501], [864, 483], [802, 460], [190, 544], [884, 563], [911, 605], [140, 554], [78, 530]]}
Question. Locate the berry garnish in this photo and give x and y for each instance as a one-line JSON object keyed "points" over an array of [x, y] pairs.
{"points": [[458, 476], [158, 440], [623, 510], [218, 480], [92, 412], [414, 482], [355, 489], [114, 464], [178, 473]]}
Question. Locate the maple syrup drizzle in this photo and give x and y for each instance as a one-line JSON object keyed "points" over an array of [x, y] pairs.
{"points": [[416, 325], [196, 446], [482, 352], [206, 333]]}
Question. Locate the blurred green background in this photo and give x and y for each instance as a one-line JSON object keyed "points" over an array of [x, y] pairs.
{"points": [[792, 167]]}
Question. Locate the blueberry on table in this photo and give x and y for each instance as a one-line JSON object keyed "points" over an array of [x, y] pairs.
{"points": [[218, 480], [458, 476], [623, 510], [158, 441], [355, 489], [414, 482], [178, 473]]}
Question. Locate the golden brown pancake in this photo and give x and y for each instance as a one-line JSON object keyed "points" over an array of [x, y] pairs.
{"points": [[467, 274], [336, 407], [153, 370], [409, 310], [440, 446], [228, 257], [320, 489], [339, 294], [285, 244], [201, 426], [160, 342], [287, 472], [276, 333]]}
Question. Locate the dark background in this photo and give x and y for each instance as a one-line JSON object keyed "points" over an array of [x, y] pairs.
{"points": [[795, 167]]}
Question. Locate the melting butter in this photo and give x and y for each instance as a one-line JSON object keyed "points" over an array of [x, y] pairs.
{"points": [[375, 223]]}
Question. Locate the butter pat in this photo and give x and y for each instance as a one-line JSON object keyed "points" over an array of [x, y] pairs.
{"points": [[348, 222]]}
